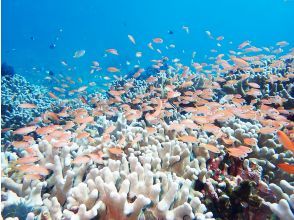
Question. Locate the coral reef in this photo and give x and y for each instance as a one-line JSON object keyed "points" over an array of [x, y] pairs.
{"points": [[175, 145], [15, 91]]}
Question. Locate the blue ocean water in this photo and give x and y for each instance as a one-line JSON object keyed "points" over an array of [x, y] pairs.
{"points": [[30, 27]]}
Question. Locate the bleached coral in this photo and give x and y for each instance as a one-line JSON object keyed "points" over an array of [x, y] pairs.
{"points": [[283, 208]]}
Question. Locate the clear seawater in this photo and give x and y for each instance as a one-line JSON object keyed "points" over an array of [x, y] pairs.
{"points": [[30, 27]]}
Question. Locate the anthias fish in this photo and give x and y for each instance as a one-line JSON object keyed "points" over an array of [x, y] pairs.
{"points": [[157, 116]]}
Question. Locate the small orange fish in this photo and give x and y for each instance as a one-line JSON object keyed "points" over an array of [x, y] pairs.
{"points": [[116, 92], [220, 38], [32, 177], [211, 128], [150, 130], [20, 144], [176, 127], [28, 139], [151, 79], [106, 137], [63, 113], [254, 92], [5, 130], [47, 116], [60, 144], [138, 73], [240, 151], [187, 84], [285, 141], [83, 88], [187, 138], [244, 44], [27, 105], [282, 43], [134, 115], [286, 167], [25, 130], [240, 62], [113, 69], [47, 129], [68, 125], [132, 39], [81, 127], [228, 141], [82, 120], [250, 141], [52, 95], [34, 169], [211, 148], [83, 135], [151, 117], [110, 129], [25, 160], [81, 159], [173, 94], [254, 85], [267, 130], [79, 53], [121, 141], [116, 151], [92, 84], [96, 156], [158, 40], [31, 151], [112, 51], [59, 89]]}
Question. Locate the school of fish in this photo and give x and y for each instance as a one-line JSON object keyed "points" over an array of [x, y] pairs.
{"points": [[180, 101]]}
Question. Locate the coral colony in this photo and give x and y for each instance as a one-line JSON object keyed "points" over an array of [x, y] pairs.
{"points": [[200, 142]]}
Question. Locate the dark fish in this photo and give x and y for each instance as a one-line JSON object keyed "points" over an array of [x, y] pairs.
{"points": [[52, 46], [84, 100], [173, 105], [170, 32], [51, 73]]}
